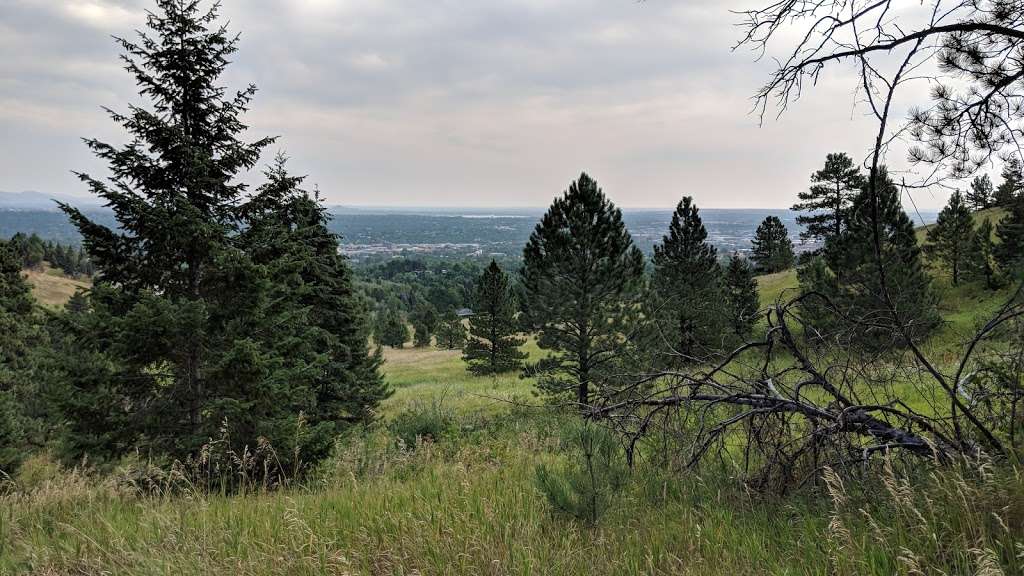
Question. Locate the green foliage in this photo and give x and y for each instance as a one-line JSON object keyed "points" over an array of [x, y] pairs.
{"points": [[20, 339], [741, 296], [951, 238], [493, 343], [1009, 191], [772, 250], [1009, 251], [423, 420], [424, 323], [581, 274], [829, 198], [981, 266], [588, 485], [981, 194], [390, 329], [213, 310], [451, 333], [684, 311], [862, 299]]}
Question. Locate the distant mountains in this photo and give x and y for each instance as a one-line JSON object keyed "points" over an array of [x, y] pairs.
{"points": [[31, 200]]}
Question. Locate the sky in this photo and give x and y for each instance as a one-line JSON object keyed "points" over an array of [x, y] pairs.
{"points": [[490, 103]]}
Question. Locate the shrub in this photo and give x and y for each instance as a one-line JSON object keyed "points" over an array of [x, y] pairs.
{"points": [[423, 421], [587, 485]]}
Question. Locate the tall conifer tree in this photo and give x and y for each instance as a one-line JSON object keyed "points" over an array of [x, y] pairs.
{"points": [[829, 198], [684, 309], [200, 315], [741, 295], [981, 194], [772, 250], [950, 239], [1012, 185], [907, 283], [581, 274], [1010, 231], [493, 343]]}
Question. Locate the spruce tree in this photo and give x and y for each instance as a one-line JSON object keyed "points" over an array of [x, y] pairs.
{"points": [[829, 198], [315, 297], [980, 196], [1013, 182], [1010, 232], [581, 274], [684, 308], [17, 339], [949, 240], [451, 333], [741, 295], [202, 312], [772, 250], [907, 285], [493, 343]]}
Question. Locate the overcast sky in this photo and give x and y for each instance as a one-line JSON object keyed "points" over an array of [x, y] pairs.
{"points": [[450, 102]]}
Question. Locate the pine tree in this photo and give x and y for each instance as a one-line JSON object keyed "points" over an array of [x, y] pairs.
{"points": [[424, 323], [493, 344], [1013, 182], [684, 308], [581, 273], [451, 333], [980, 196], [829, 198], [949, 239], [741, 295], [201, 311], [907, 285], [772, 249], [981, 263], [390, 329], [1010, 232]]}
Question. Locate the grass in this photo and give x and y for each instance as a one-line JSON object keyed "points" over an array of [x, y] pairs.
{"points": [[52, 288], [467, 502]]}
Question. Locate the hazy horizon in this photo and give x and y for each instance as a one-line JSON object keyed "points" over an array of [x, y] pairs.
{"points": [[489, 104]]}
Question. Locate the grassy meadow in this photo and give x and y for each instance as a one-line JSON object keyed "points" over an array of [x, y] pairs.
{"points": [[446, 483]]}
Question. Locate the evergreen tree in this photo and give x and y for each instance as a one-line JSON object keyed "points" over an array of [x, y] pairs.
{"points": [[949, 240], [829, 198], [981, 262], [493, 344], [741, 296], [390, 329], [1010, 231], [772, 249], [684, 308], [981, 193], [860, 291], [287, 232], [201, 315], [1013, 182], [451, 333], [424, 323], [581, 273], [17, 339]]}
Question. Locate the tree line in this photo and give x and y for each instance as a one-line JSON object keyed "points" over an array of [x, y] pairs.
{"points": [[33, 252]]}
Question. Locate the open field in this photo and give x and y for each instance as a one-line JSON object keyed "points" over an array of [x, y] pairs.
{"points": [[446, 483], [52, 288]]}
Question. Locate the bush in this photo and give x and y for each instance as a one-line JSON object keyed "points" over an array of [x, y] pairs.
{"points": [[423, 421], [587, 485]]}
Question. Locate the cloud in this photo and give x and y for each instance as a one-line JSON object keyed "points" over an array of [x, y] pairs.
{"points": [[496, 102]]}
